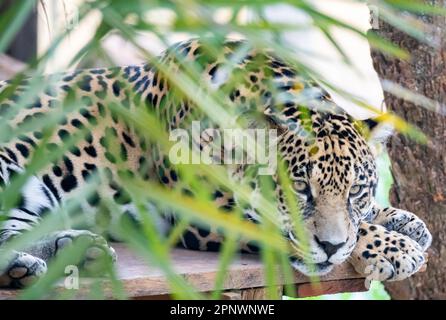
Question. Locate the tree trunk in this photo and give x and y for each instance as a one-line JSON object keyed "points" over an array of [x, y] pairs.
{"points": [[419, 170]]}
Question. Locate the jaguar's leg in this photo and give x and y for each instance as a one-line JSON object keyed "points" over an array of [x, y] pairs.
{"points": [[403, 222], [381, 254], [20, 268], [98, 251], [24, 267]]}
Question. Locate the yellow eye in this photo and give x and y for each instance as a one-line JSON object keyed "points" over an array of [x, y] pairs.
{"points": [[300, 186], [356, 189]]}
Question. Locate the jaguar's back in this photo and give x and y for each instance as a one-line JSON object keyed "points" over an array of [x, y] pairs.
{"points": [[80, 115]]}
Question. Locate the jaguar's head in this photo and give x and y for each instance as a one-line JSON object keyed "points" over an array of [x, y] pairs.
{"points": [[334, 180]]}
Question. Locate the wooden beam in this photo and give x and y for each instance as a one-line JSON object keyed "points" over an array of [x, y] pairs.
{"points": [[199, 269], [330, 287], [251, 294]]}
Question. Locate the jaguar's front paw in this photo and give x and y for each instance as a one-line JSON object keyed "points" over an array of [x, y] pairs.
{"points": [[22, 270], [98, 252], [407, 223], [386, 255]]}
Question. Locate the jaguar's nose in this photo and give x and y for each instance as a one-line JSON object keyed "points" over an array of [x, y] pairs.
{"points": [[328, 247]]}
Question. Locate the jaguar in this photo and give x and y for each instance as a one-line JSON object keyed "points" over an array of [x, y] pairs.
{"points": [[329, 160]]}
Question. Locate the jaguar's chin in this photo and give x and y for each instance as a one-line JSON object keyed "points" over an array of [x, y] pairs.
{"points": [[316, 269]]}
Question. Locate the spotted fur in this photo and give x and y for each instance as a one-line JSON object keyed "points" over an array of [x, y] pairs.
{"points": [[331, 167]]}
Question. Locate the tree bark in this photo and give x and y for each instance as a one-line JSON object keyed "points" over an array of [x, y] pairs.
{"points": [[419, 170]]}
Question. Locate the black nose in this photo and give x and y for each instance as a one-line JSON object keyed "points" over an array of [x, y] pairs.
{"points": [[329, 248]]}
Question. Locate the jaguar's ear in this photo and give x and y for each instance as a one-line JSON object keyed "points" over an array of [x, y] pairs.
{"points": [[376, 131]]}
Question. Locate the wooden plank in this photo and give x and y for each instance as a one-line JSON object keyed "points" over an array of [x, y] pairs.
{"points": [[231, 295], [259, 293], [251, 294], [330, 287], [140, 279]]}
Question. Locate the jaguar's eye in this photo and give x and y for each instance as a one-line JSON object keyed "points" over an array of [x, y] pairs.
{"points": [[300, 186], [356, 190]]}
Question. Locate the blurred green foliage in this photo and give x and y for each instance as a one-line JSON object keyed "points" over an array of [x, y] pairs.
{"points": [[196, 18]]}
